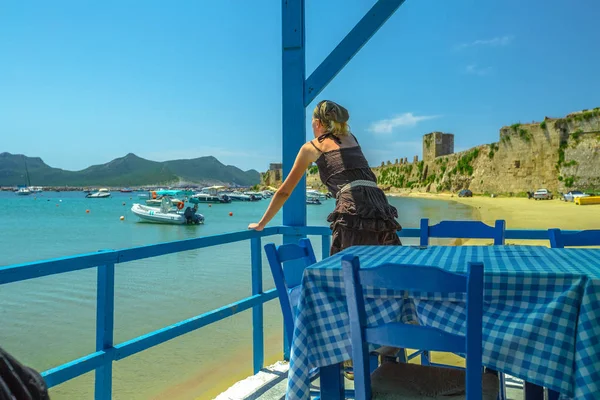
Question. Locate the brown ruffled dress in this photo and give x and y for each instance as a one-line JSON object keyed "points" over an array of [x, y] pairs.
{"points": [[362, 214]]}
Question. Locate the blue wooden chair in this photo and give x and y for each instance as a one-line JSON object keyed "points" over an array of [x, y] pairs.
{"points": [[584, 238], [289, 295], [462, 230], [413, 381]]}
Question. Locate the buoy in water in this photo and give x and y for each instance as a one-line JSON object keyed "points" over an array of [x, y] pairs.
{"points": [[87, 211], [230, 214], [122, 218]]}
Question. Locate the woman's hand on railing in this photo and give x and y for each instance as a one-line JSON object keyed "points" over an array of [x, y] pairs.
{"points": [[257, 227]]}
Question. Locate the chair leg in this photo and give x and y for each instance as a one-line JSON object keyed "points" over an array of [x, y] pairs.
{"points": [[552, 395], [401, 355], [532, 391], [425, 358], [373, 362]]}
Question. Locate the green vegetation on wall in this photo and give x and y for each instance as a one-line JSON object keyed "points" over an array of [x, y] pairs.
{"points": [[561, 154], [493, 149], [428, 141], [464, 166], [570, 181]]}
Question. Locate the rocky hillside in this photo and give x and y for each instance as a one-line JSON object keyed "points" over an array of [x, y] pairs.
{"points": [[559, 154]]}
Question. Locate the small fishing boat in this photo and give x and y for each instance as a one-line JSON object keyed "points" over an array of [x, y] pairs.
{"points": [[158, 201], [256, 195], [210, 195], [100, 194], [313, 200], [316, 193], [237, 196], [23, 191], [166, 215]]}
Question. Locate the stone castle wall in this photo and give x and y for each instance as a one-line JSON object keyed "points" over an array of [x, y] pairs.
{"points": [[557, 154]]}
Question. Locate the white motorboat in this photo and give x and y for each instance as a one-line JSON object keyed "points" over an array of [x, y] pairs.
{"points": [[257, 195], [210, 195], [165, 215], [237, 196], [313, 200], [23, 191], [316, 193], [100, 194], [158, 201]]}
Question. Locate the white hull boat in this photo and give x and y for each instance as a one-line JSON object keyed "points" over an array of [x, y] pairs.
{"points": [[100, 194], [210, 195], [237, 196], [23, 192], [158, 202], [161, 216]]}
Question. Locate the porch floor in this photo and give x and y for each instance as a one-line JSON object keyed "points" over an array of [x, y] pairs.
{"points": [[271, 382]]}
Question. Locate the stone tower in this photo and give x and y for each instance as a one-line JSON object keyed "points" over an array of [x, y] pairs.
{"points": [[437, 144]]}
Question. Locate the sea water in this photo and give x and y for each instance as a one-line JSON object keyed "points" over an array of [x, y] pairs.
{"points": [[51, 320]]}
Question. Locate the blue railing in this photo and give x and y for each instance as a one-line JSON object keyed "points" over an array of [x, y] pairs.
{"points": [[106, 351]]}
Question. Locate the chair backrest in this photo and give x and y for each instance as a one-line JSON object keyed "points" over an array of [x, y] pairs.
{"points": [[583, 238], [462, 230], [402, 277], [277, 255]]}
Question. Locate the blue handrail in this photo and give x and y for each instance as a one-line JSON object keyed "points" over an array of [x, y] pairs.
{"points": [[105, 262]]}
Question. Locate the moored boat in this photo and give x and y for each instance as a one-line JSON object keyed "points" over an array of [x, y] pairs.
{"points": [[23, 191], [210, 195], [313, 200], [100, 194], [164, 215]]}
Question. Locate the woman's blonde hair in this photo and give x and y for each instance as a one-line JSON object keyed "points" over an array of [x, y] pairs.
{"points": [[333, 117]]}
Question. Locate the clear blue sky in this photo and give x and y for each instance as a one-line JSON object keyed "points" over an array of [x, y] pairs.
{"points": [[84, 82]]}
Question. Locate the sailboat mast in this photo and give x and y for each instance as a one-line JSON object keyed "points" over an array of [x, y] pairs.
{"points": [[27, 171]]}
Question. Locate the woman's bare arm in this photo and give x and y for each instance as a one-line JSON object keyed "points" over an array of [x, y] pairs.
{"points": [[305, 157]]}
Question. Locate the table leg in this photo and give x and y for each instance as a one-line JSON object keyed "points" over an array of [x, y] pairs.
{"points": [[552, 395], [332, 382], [533, 392]]}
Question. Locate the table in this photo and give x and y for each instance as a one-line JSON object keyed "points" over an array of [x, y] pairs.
{"points": [[541, 319]]}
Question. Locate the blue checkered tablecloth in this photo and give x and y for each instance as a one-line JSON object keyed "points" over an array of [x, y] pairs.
{"points": [[541, 319]]}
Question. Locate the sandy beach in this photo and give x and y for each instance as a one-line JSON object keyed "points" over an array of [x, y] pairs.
{"points": [[523, 213]]}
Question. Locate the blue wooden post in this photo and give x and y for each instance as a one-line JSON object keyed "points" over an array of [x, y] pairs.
{"points": [[424, 232], [348, 47], [105, 310], [293, 120], [257, 310], [294, 112], [325, 246]]}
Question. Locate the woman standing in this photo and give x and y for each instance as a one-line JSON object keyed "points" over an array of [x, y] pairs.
{"points": [[362, 214]]}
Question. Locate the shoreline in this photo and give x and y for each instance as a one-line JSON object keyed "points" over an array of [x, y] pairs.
{"points": [[523, 213]]}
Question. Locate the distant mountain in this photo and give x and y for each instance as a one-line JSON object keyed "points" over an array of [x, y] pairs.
{"points": [[199, 169], [130, 170]]}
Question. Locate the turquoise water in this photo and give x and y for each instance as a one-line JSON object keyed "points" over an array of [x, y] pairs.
{"points": [[51, 320]]}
